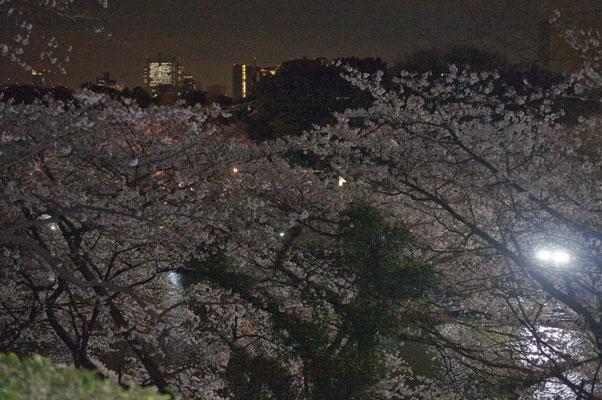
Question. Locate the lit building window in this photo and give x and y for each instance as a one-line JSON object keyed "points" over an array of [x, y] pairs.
{"points": [[244, 81], [163, 74]]}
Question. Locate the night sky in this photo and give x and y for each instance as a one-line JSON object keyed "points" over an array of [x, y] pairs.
{"points": [[209, 36]]}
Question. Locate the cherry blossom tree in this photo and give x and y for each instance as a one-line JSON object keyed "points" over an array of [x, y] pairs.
{"points": [[504, 189], [91, 280], [26, 34], [151, 246]]}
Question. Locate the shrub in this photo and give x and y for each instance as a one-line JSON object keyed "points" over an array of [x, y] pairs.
{"points": [[39, 378]]}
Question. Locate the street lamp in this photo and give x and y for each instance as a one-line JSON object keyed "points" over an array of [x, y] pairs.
{"points": [[557, 256]]}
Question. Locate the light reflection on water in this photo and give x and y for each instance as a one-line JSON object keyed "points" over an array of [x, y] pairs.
{"points": [[175, 279], [554, 389], [173, 289], [560, 341], [566, 342], [173, 295]]}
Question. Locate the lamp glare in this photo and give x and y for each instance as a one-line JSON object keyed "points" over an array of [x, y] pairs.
{"points": [[555, 256]]}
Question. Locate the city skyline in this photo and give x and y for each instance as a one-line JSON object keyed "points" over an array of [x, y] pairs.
{"points": [[209, 37]]}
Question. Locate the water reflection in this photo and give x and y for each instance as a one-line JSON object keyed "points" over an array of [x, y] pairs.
{"points": [[538, 349], [174, 287], [557, 341], [173, 304]]}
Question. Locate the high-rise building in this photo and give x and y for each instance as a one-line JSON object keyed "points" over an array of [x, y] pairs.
{"points": [[188, 84], [245, 77], [268, 71], [163, 74]]}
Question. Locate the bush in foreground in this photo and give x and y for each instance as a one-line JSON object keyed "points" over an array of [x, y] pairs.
{"points": [[41, 379]]}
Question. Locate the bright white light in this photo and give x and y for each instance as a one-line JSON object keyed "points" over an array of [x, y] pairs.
{"points": [[556, 256], [53, 226], [561, 256], [235, 170], [544, 255], [281, 234], [341, 181]]}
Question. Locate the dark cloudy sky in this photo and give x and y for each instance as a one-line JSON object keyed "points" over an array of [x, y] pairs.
{"points": [[209, 36]]}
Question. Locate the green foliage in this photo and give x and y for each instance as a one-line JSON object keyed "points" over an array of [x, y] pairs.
{"points": [[346, 366], [257, 377], [379, 254], [347, 375], [38, 378]]}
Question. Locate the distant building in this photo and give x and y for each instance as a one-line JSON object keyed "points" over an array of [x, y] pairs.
{"points": [[106, 81], [245, 77], [216, 93], [188, 84], [40, 77], [165, 73], [553, 52], [268, 71]]}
